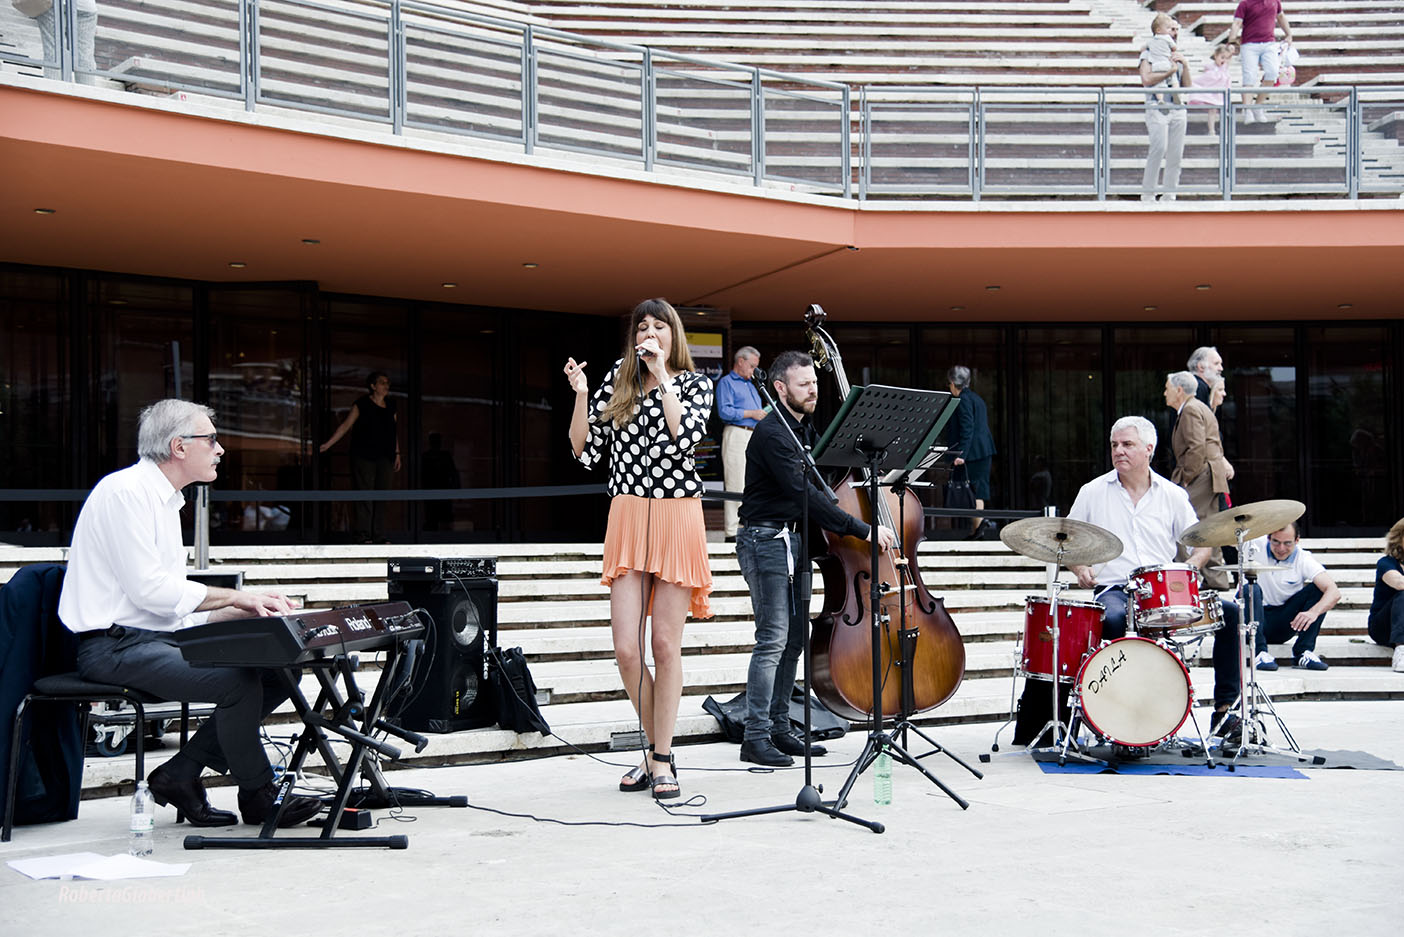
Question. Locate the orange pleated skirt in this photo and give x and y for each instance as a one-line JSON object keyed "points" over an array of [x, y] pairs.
{"points": [[662, 536]]}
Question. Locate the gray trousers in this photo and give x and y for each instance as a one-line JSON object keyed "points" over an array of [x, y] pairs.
{"points": [[229, 740], [1166, 127]]}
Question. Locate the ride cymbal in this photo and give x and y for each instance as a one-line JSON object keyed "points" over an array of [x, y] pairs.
{"points": [[1039, 538], [1255, 520]]}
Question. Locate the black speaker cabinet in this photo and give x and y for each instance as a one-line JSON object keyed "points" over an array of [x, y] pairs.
{"points": [[452, 692]]}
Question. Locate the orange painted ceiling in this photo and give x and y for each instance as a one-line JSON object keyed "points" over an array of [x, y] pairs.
{"points": [[149, 191]]}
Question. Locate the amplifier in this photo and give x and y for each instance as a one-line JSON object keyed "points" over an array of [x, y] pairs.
{"points": [[440, 569]]}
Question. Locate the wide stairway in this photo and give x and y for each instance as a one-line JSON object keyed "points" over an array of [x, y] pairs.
{"points": [[550, 604]]}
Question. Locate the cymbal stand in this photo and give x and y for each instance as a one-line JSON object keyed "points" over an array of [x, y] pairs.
{"points": [[1013, 703], [1056, 724], [1064, 743], [1253, 701], [1180, 650]]}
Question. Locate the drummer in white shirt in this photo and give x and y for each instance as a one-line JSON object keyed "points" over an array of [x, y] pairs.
{"points": [[1149, 513], [1291, 602]]}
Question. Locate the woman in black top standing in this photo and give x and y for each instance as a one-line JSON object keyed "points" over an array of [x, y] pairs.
{"points": [[648, 416], [375, 451]]}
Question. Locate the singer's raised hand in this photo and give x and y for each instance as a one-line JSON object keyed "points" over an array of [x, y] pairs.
{"points": [[575, 373]]}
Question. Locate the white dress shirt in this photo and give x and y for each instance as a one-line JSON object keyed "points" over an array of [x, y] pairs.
{"points": [[1279, 587], [127, 562], [1149, 530]]}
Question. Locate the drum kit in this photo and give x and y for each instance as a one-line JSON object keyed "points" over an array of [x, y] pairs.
{"points": [[1135, 691]]}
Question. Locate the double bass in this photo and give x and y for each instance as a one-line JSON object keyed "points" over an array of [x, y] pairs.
{"points": [[841, 643]]}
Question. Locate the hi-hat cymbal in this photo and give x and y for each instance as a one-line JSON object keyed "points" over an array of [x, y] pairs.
{"points": [[1039, 538], [1255, 520]]}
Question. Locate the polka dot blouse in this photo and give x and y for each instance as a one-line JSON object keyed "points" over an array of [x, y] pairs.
{"points": [[644, 459]]}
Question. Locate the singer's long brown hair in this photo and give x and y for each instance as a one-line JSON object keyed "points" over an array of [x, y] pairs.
{"points": [[620, 409]]}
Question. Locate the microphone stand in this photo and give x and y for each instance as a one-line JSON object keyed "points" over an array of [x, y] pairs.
{"points": [[809, 799]]}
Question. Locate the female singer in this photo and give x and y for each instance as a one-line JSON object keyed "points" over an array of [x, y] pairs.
{"points": [[649, 415]]}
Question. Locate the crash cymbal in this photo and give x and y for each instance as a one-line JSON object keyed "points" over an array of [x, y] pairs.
{"points": [[1039, 538], [1255, 520], [1253, 568]]}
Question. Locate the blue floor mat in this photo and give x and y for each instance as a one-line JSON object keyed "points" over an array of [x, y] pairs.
{"points": [[1193, 769]]}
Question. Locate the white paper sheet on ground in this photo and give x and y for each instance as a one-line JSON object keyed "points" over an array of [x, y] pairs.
{"points": [[91, 865]]}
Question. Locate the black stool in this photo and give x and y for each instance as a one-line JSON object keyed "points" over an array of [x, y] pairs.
{"points": [[72, 688]]}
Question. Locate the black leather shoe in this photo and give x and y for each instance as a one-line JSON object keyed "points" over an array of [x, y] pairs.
{"points": [[761, 752], [792, 743], [187, 796], [256, 805]]}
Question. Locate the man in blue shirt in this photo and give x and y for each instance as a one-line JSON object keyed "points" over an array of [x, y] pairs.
{"points": [[739, 406]]}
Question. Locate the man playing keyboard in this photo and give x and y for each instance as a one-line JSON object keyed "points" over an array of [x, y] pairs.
{"points": [[125, 595]]}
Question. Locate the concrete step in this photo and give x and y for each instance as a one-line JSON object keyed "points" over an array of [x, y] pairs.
{"points": [[716, 661], [591, 725]]}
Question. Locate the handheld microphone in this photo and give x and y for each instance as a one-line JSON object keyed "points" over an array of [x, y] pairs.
{"points": [[758, 374]]}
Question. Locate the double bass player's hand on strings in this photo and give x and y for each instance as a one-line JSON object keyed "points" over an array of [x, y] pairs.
{"points": [[885, 537]]}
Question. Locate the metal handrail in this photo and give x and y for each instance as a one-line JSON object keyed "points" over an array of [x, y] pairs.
{"points": [[592, 111]]}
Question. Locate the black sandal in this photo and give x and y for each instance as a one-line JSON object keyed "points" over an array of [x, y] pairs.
{"points": [[638, 778], [666, 780]]}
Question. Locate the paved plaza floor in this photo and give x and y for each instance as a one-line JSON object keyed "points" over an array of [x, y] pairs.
{"points": [[1035, 853]]}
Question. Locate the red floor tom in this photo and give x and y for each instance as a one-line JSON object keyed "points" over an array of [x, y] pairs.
{"points": [[1079, 631]]}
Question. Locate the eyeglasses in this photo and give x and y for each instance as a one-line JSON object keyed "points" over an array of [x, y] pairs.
{"points": [[1281, 543], [212, 438]]}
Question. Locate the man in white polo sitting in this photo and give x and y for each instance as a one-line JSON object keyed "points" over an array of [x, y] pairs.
{"points": [[1292, 601]]}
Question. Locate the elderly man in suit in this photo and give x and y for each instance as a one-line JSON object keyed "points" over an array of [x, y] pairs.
{"points": [[1200, 466]]}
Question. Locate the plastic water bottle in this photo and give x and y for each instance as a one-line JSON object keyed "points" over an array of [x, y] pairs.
{"points": [[142, 828], [882, 778]]}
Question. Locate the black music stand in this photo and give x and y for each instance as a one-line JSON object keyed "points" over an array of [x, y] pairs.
{"points": [[884, 428], [349, 716], [809, 799]]}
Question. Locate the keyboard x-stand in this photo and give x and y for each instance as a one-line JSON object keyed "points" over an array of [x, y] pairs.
{"points": [[320, 642]]}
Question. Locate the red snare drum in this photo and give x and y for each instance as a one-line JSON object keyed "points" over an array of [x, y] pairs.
{"points": [[1165, 595], [1134, 692], [1079, 630]]}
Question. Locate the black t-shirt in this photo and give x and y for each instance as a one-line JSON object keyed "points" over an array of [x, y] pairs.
{"points": [[1384, 593], [373, 433], [775, 480]]}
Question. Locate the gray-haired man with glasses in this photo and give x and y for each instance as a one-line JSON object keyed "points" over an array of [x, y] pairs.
{"points": [[125, 594]]}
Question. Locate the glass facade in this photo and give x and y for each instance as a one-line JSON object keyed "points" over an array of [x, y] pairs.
{"points": [[481, 403]]}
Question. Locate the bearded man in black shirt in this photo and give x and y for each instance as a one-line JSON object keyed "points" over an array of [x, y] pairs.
{"points": [[774, 561]]}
